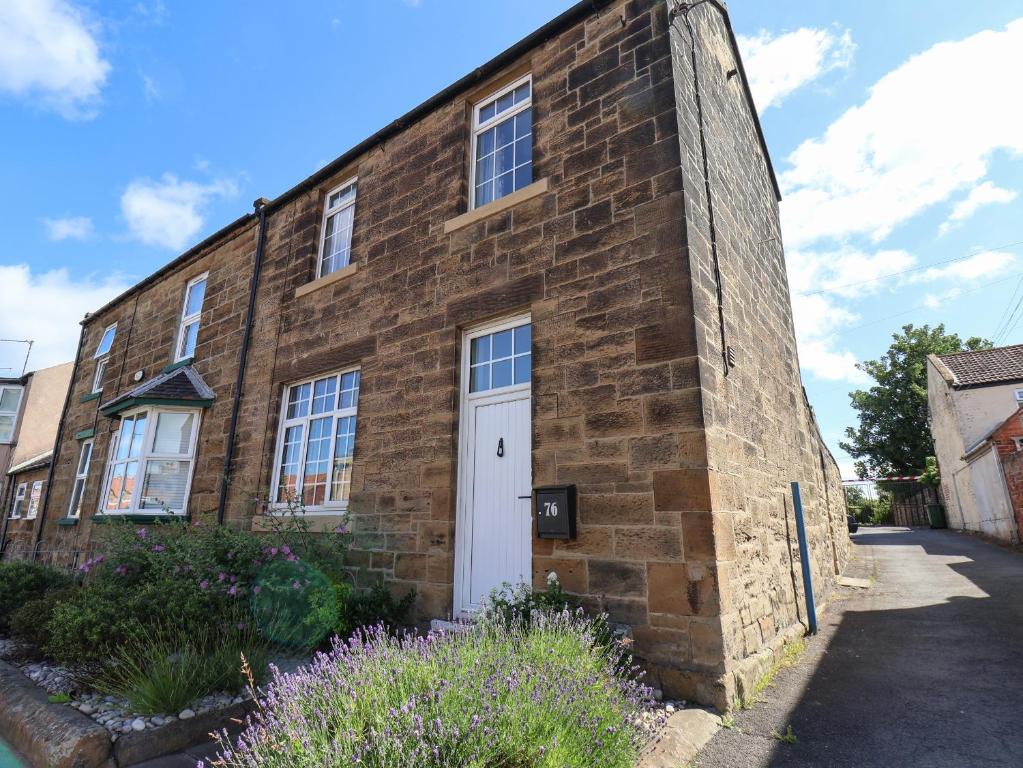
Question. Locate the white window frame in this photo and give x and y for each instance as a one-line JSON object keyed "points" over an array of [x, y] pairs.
{"points": [[1019, 397], [13, 414], [19, 501], [189, 319], [146, 455], [97, 376], [478, 128], [327, 213], [329, 506], [100, 352], [34, 500], [81, 478]]}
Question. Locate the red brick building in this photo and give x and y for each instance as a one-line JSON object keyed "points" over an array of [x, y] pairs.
{"points": [[564, 269]]}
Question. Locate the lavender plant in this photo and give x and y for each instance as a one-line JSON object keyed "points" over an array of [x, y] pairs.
{"points": [[495, 694]]}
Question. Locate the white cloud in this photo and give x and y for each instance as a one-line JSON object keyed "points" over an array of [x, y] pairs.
{"points": [[170, 212], [973, 268], [777, 65], [981, 195], [927, 129], [70, 228], [47, 307], [49, 54]]}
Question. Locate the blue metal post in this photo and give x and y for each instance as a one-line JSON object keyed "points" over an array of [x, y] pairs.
{"points": [[804, 558]]}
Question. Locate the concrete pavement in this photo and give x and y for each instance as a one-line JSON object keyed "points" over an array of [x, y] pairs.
{"points": [[925, 668]]}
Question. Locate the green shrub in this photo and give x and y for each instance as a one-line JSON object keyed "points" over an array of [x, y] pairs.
{"points": [[496, 695], [367, 608], [164, 669], [23, 580], [30, 622]]}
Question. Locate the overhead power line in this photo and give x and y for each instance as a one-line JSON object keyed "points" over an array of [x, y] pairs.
{"points": [[835, 288]]}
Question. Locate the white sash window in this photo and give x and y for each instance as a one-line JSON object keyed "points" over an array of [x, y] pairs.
{"points": [[316, 443]]}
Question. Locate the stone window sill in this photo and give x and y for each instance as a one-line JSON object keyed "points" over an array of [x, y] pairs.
{"points": [[90, 396], [502, 204], [323, 282]]}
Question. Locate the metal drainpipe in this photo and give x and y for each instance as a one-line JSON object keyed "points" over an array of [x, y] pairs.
{"points": [[225, 480], [56, 444]]}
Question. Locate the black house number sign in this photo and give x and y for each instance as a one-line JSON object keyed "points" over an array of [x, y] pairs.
{"points": [[555, 512]]}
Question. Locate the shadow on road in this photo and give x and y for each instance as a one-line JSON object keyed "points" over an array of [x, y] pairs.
{"points": [[923, 669]]}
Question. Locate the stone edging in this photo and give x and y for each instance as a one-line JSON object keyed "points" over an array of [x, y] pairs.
{"points": [[684, 735], [51, 735]]}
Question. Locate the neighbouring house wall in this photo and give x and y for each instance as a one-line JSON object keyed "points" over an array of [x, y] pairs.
{"points": [[1012, 471], [760, 431], [42, 406], [19, 538], [147, 327], [948, 445], [992, 514], [974, 492]]}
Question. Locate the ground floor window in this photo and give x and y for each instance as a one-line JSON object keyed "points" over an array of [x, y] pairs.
{"points": [[19, 500], [316, 442], [81, 475], [151, 459]]}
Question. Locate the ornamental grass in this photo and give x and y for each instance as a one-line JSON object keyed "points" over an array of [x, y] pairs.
{"points": [[496, 694]]}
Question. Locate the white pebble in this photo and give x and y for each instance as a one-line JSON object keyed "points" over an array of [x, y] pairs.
{"points": [[186, 714], [138, 724]]}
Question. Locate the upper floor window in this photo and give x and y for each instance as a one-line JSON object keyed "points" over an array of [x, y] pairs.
{"points": [[502, 143], [81, 475], [19, 500], [34, 499], [191, 311], [102, 356], [10, 401], [316, 442], [151, 459], [338, 220]]}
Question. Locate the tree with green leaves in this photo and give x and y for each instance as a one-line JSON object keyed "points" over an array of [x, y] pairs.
{"points": [[894, 436]]}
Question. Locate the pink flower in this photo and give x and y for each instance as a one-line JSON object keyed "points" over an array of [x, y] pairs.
{"points": [[286, 549], [204, 584], [142, 533], [296, 585], [273, 551], [257, 589], [159, 547], [221, 576], [232, 591]]}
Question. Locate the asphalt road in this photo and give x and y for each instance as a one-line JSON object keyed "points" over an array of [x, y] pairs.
{"points": [[925, 668]]}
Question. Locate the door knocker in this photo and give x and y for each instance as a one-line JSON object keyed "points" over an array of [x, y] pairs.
{"points": [[500, 447]]}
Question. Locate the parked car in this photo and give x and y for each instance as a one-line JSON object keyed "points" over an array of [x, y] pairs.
{"points": [[853, 525]]}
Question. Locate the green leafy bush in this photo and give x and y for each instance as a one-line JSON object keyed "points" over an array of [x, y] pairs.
{"points": [[22, 581], [366, 608], [495, 695], [30, 622]]}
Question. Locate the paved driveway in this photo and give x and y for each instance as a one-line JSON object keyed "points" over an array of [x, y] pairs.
{"points": [[923, 669]]}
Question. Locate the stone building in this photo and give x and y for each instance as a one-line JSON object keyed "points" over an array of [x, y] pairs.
{"points": [[564, 269], [30, 408]]}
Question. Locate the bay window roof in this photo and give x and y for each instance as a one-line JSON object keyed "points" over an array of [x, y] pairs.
{"points": [[182, 386]]}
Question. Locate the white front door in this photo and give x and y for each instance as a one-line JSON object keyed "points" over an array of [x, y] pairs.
{"points": [[494, 534]]}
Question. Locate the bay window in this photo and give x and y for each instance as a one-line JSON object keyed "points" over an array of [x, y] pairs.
{"points": [[316, 442], [151, 460]]}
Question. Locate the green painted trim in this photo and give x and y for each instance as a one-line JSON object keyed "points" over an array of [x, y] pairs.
{"points": [[178, 364], [90, 396], [138, 517], [85, 434], [68, 521], [132, 402]]}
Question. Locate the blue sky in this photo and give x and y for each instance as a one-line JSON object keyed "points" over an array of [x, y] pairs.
{"points": [[131, 129]]}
